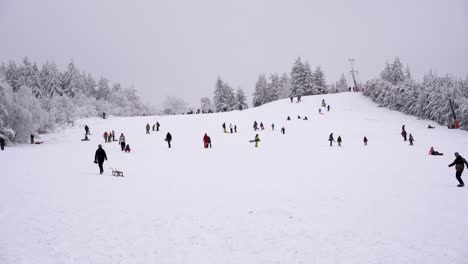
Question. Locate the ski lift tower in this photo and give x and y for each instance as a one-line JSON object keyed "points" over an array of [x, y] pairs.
{"points": [[353, 73]]}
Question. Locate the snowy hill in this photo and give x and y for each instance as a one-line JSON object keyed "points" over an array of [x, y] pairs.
{"points": [[294, 199]]}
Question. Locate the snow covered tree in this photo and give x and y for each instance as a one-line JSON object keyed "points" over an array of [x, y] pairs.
{"points": [[261, 93], [397, 72], [274, 87], [73, 82], [298, 78], [319, 84], [90, 85], [224, 98], [103, 91], [174, 105], [50, 80], [241, 100], [205, 105], [285, 86]]}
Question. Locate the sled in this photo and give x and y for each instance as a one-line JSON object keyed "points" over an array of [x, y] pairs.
{"points": [[85, 139], [38, 142], [252, 141], [117, 173]]}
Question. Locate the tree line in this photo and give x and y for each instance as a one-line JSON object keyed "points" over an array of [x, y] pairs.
{"points": [[36, 100]]}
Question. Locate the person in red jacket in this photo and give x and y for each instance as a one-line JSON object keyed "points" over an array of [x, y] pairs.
{"points": [[206, 140]]}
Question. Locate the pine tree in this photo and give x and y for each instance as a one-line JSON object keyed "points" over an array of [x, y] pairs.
{"points": [[261, 93], [386, 73], [241, 100], [408, 73], [274, 88], [103, 91], [308, 84], [298, 78], [50, 80], [224, 98], [73, 82], [397, 74], [285, 86], [205, 105], [319, 84], [90, 85]]}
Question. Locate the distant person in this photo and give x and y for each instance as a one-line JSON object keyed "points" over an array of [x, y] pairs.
{"points": [[86, 128], [255, 126], [272, 126], [109, 139], [122, 141], [127, 148], [230, 128], [224, 127], [106, 135], [320, 111], [305, 118], [154, 127], [365, 141], [103, 115], [235, 128], [411, 139], [205, 141], [331, 139], [459, 163], [403, 134], [430, 127], [2, 143], [289, 118], [32, 138], [157, 126], [283, 130], [292, 99], [147, 128], [209, 141], [323, 103], [99, 158], [113, 135], [339, 141], [328, 108], [434, 152], [168, 139], [350, 88], [261, 126], [257, 139]]}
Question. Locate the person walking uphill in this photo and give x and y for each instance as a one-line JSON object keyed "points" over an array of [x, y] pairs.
{"points": [[403, 132], [459, 163], [106, 136], [147, 128], [331, 139], [99, 158], [168, 139], [122, 141], [206, 140]]}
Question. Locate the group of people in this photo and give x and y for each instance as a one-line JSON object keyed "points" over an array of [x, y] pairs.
{"points": [[232, 129], [404, 135], [109, 136], [298, 99]]}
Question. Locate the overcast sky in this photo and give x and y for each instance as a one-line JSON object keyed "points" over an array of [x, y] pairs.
{"points": [[180, 47]]}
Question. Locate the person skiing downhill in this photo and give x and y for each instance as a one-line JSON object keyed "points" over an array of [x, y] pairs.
{"points": [[86, 128], [168, 139], [99, 158], [459, 163], [339, 141], [205, 140], [147, 128], [365, 141], [105, 136], [2, 143], [331, 139], [411, 139], [122, 141]]}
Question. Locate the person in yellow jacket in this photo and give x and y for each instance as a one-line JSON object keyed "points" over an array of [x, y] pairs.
{"points": [[257, 139]]}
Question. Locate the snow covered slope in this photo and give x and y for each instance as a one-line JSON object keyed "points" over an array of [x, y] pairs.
{"points": [[294, 199]]}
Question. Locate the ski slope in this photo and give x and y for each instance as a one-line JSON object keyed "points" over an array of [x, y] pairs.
{"points": [[294, 199]]}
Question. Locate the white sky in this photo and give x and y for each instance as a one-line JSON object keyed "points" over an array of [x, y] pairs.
{"points": [[180, 47]]}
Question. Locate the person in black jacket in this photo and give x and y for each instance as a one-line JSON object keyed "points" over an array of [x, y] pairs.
{"points": [[2, 143], [168, 139], [459, 163], [99, 158]]}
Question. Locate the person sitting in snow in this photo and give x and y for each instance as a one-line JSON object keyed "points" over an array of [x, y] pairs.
{"points": [[305, 118], [127, 148], [289, 118], [429, 126], [434, 152], [298, 117]]}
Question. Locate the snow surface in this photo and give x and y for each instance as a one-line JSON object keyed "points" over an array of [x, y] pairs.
{"points": [[292, 200]]}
